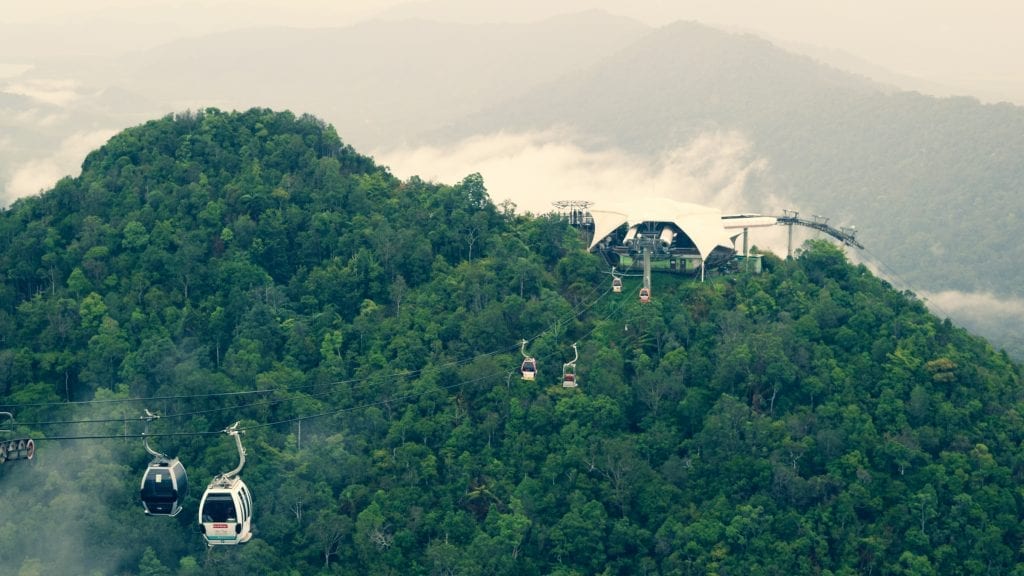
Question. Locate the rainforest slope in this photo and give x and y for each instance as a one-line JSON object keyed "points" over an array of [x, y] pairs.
{"points": [[217, 266]]}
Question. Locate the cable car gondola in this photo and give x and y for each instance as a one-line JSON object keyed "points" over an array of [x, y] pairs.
{"points": [[17, 449], [164, 484], [164, 487], [616, 282], [225, 512], [569, 371], [528, 369], [645, 295]]}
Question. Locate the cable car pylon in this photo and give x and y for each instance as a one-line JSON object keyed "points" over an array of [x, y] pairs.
{"points": [[645, 292], [164, 484], [225, 513]]}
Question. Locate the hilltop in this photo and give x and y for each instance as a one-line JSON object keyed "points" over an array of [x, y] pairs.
{"points": [[365, 330], [899, 165]]}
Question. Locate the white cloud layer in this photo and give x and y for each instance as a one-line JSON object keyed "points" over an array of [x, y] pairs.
{"points": [[978, 308], [51, 91], [12, 70], [535, 169], [42, 173]]}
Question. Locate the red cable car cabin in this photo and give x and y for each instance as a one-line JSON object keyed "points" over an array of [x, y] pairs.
{"points": [[645, 295]]}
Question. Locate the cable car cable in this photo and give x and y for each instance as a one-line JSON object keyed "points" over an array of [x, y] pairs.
{"points": [[121, 400], [893, 274], [243, 392], [619, 305], [576, 312], [286, 421], [266, 402], [579, 309], [377, 403], [296, 419], [248, 392], [116, 436]]}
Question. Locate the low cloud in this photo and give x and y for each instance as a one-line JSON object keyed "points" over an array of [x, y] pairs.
{"points": [[38, 118], [69, 472], [980, 303], [39, 174], [995, 317], [12, 70], [535, 169], [51, 91]]}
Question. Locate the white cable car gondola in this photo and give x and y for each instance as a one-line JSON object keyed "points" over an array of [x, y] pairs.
{"points": [[569, 371], [616, 282], [645, 295], [225, 513], [164, 484], [528, 369]]}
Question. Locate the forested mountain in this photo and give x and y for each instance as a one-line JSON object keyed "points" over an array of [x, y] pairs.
{"points": [[217, 267], [899, 165], [931, 183], [41, 140]]}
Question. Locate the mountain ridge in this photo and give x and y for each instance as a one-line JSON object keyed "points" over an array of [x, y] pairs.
{"points": [[895, 164], [365, 332]]}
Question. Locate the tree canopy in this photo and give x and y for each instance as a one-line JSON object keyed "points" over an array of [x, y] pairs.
{"points": [[217, 266]]}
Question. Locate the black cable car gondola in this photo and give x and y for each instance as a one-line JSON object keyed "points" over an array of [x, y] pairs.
{"points": [[164, 487], [17, 449], [225, 513], [164, 484]]}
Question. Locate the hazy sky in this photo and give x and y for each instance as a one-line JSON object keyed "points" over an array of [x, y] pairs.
{"points": [[972, 48], [952, 47], [936, 46]]}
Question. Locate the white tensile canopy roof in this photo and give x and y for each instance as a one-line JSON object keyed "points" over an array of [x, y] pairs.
{"points": [[703, 224]]}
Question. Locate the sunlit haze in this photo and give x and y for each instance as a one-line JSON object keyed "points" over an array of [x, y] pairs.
{"points": [[74, 72], [958, 47]]}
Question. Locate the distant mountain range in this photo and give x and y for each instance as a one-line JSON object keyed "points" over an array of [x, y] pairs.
{"points": [[379, 82], [933, 184]]}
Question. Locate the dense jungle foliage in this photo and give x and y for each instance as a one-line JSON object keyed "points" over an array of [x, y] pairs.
{"points": [[365, 331]]}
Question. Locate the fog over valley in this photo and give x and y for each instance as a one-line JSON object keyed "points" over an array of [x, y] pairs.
{"points": [[735, 104]]}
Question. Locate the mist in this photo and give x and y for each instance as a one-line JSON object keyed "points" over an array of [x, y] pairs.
{"points": [[960, 48], [998, 317], [39, 174], [535, 169], [64, 502]]}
